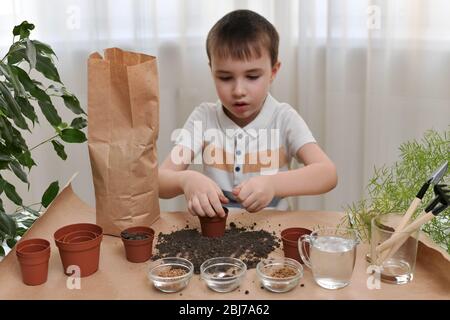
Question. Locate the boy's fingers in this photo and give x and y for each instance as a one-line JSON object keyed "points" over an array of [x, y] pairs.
{"points": [[254, 206], [217, 206], [249, 201], [206, 206], [190, 210], [197, 207]]}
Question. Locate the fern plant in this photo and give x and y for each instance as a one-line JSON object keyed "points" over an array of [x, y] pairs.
{"points": [[392, 188]]}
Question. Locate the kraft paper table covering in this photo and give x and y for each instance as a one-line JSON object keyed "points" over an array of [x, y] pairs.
{"points": [[119, 279]]}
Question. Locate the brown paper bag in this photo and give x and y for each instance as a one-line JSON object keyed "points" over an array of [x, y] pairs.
{"points": [[123, 113]]}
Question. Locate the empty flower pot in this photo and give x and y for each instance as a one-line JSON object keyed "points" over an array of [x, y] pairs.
{"points": [[33, 256], [290, 237], [138, 243], [82, 253], [79, 236], [214, 227]]}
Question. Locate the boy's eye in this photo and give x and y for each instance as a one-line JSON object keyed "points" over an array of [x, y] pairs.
{"points": [[252, 77], [224, 78]]}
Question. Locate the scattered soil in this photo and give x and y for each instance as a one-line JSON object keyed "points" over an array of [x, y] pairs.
{"points": [[172, 272], [240, 242], [284, 272], [134, 235]]}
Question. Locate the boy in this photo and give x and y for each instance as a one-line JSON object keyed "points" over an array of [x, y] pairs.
{"points": [[243, 167]]}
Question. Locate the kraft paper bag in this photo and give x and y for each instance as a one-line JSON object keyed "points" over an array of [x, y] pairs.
{"points": [[123, 113]]}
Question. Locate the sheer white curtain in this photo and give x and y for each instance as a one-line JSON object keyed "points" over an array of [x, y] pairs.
{"points": [[361, 89]]}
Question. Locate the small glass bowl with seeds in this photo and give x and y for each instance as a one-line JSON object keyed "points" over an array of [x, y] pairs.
{"points": [[279, 275], [170, 274]]}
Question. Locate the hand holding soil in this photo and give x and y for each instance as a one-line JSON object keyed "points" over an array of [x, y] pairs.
{"points": [[203, 195], [255, 193]]}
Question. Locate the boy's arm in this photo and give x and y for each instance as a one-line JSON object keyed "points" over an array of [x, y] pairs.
{"points": [[171, 174], [316, 177]]}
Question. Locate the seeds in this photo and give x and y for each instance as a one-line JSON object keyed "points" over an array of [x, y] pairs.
{"points": [[284, 272], [172, 272]]}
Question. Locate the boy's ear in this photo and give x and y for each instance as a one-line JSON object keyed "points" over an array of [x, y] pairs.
{"points": [[275, 69]]}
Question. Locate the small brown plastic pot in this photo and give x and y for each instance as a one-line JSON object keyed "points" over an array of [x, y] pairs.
{"points": [[290, 237], [214, 227], [137, 251], [33, 256], [82, 254]]}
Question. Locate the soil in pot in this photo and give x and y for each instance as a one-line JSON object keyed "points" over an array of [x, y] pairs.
{"points": [[138, 243]]}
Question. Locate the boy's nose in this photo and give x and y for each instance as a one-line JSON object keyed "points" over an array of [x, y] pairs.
{"points": [[239, 89]]}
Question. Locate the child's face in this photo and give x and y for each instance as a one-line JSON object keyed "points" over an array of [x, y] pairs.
{"points": [[243, 85]]}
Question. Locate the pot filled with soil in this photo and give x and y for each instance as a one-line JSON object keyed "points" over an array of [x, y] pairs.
{"points": [[214, 227], [79, 245], [290, 238], [33, 256], [138, 243]]}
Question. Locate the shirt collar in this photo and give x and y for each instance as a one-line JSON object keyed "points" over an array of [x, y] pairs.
{"points": [[252, 129]]}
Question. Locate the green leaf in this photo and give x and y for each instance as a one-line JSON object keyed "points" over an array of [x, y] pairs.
{"points": [[50, 194], [59, 148], [31, 53], [13, 107], [10, 191], [9, 74], [73, 104], [21, 231], [43, 48], [26, 160], [2, 251], [45, 66], [27, 109], [23, 29], [28, 223], [17, 169], [50, 113], [17, 53], [14, 141], [11, 242], [30, 85], [7, 225], [73, 135], [78, 123]]}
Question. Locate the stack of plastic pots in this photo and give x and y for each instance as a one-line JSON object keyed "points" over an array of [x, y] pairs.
{"points": [[33, 256], [290, 238], [79, 247], [138, 243]]}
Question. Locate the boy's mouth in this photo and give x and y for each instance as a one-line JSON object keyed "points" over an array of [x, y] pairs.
{"points": [[240, 105]]}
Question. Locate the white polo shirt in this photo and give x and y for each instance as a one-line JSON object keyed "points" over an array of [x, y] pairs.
{"points": [[231, 154]]}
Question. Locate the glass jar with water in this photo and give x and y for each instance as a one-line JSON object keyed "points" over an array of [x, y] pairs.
{"points": [[332, 255]]}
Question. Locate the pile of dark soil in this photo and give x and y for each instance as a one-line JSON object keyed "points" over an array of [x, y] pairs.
{"points": [[244, 243]]}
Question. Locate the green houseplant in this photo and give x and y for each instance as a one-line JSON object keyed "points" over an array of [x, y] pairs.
{"points": [[392, 188], [20, 93]]}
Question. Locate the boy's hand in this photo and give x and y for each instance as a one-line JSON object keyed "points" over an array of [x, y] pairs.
{"points": [[255, 193], [203, 195]]}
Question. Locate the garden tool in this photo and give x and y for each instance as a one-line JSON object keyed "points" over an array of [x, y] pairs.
{"points": [[436, 206], [434, 179]]}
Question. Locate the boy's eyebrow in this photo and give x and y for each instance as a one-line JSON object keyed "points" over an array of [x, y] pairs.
{"points": [[250, 70]]}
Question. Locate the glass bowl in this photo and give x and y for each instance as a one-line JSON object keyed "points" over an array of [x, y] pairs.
{"points": [[279, 275], [170, 274], [223, 274]]}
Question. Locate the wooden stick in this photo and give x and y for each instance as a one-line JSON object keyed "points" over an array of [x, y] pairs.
{"points": [[424, 218], [405, 219]]}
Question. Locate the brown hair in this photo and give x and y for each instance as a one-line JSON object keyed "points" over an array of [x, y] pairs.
{"points": [[241, 34]]}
